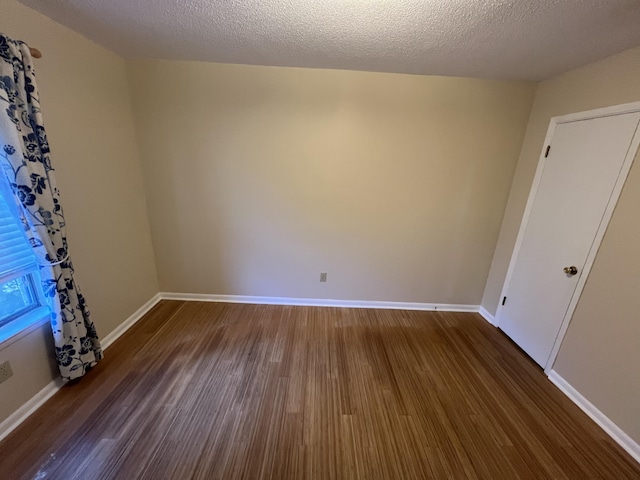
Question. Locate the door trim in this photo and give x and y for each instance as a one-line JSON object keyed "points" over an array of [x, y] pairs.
{"points": [[602, 228]]}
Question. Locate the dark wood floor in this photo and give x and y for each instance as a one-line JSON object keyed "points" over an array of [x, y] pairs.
{"points": [[222, 391]]}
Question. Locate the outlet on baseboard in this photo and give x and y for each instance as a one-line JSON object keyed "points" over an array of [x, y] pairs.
{"points": [[5, 371], [323, 276]]}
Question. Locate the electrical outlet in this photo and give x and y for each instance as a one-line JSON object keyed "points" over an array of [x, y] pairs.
{"points": [[5, 371], [323, 277]]}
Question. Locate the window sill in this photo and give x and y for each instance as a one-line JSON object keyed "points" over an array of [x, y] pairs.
{"points": [[21, 327]]}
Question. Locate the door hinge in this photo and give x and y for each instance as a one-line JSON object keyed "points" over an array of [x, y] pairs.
{"points": [[504, 299], [546, 154]]}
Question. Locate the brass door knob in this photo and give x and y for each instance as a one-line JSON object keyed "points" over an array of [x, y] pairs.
{"points": [[570, 270]]}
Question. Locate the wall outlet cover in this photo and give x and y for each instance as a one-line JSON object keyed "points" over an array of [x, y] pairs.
{"points": [[5, 371]]}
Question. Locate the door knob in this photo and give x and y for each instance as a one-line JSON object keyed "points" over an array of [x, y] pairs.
{"points": [[570, 270]]}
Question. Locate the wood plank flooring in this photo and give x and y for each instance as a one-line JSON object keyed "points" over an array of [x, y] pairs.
{"points": [[228, 391]]}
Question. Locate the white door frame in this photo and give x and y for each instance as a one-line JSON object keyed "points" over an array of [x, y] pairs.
{"points": [[613, 200]]}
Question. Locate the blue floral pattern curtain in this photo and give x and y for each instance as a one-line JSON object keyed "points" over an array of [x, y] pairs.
{"points": [[26, 162]]}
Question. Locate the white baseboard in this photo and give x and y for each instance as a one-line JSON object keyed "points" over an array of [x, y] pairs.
{"points": [[16, 418], [487, 316], [130, 322], [615, 432], [318, 302]]}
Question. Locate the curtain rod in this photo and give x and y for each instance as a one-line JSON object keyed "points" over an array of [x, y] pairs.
{"points": [[35, 53]]}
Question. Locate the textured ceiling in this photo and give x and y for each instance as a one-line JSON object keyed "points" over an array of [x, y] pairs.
{"points": [[508, 39]]}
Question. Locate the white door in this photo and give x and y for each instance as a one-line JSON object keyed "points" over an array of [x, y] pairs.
{"points": [[585, 163]]}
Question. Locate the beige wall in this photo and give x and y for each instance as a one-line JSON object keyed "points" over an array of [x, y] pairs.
{"points": [[87, 112], [600, 352], [260, 178]]}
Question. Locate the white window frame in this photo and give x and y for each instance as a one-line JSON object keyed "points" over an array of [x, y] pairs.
{"points": [[21, 323]]}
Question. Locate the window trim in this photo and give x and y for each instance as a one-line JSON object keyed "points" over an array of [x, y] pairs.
{"points": [[33, 273], [25, 321], [26, 310], [23, 326]]}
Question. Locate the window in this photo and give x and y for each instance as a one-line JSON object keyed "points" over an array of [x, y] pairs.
{"points": [[18, 268]]}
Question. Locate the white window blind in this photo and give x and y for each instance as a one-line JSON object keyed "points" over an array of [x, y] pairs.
{"points": [[16, 255]]}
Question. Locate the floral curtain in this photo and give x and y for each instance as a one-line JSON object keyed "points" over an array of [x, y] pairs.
{"points": [[26, 162]]}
